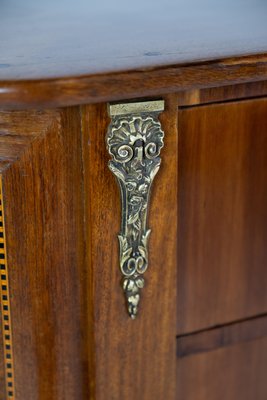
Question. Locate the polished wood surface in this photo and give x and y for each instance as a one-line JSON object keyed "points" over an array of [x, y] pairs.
{"points": [[45, 251], [59, 39], [57, 54], [71, 332], [225, 363], [201, 329], [219, 94], [18, 130], [224, 336], [158, 81], [130, 359], [222, 214]]}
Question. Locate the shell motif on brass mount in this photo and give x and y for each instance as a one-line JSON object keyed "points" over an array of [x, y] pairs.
{"points": [[134, 141]]}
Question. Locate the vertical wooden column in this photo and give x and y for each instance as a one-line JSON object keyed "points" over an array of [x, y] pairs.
{"points": [[130, 359], [41, 167]]}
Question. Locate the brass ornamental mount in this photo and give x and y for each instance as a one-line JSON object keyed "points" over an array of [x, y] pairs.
{"points": [[134, 141]]}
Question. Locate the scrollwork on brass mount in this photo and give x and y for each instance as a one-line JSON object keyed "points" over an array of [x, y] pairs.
{"points": [[134, 141]]}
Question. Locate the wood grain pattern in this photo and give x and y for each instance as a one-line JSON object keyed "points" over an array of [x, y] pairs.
{"points": [[236, 371], [17, 131], [87, 54], [222, 257], [52, 40], [224, 336], [44, 225], [155, 81], [223, 93], [131, 359]]}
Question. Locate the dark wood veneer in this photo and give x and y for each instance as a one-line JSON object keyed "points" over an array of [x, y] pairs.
{"points": [[222, 94], [154, 81], [126, 361], [224, 363], [71, 335], [42, 40], [224, 336], [45, 250], [55, 55], [222, 254]]}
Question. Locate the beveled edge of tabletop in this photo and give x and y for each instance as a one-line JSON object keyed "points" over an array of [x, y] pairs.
{"points": [[141, 82]]}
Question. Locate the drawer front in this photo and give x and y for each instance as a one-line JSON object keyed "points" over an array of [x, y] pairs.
{"points": [[226, 363], [222, 257]]}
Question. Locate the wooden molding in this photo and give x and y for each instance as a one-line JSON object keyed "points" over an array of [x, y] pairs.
{"points": [[18, 129], [69, 91]]}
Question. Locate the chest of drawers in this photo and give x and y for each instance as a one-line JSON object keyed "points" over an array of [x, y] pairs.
{"points": [[172, 93]]}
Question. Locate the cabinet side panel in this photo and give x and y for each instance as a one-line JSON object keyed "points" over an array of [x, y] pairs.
{"points": [[44, 230], [133, 359]]}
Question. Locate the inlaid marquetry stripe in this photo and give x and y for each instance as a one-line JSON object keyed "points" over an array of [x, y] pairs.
{"points": [[5, 307]]}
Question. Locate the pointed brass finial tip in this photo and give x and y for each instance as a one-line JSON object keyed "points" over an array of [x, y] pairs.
{"points": [[131, 287], [132, 310], [134, 141]]}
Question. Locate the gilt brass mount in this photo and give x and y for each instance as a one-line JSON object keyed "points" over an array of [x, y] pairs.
{"points": [[134, 141]]}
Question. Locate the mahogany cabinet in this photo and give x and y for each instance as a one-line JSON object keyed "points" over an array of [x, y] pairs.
{"points": [[133, 201]]}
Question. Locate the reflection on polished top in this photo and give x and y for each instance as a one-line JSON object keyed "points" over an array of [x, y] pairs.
{"points": [[49, 39]]}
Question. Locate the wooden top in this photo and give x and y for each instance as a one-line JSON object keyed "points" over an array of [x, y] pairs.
{"points": [[66, 40]]}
